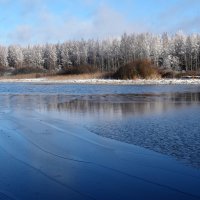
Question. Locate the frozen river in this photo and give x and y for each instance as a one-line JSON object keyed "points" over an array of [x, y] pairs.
{"points": [[99, 142]]}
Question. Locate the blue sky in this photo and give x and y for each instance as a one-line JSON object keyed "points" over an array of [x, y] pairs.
{"points": [[40, 21]]}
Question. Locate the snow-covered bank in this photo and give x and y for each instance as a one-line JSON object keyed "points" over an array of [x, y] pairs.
{"points": [[104, 81]]}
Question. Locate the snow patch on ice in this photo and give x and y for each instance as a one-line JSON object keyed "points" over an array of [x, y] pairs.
{"points": [[106, 81]]}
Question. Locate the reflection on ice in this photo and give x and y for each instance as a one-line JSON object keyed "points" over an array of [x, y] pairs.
{"points": [[126, 104], [123, 105]]}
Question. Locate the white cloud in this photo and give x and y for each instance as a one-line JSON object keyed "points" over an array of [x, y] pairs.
{"points": [[89, 2], [35, 23], [190, 24], [179, 8], [105, 22], [4, 1], [30, 6], [22, 34]]}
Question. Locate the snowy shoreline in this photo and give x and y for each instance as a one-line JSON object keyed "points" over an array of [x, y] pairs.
{"points": [[105, 81]]}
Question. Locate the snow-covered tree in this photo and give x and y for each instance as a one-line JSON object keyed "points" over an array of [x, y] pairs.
{"points": [[178, 52], [65, 62], [3, 57], [15, 56], [38, 60], [50, 57]]}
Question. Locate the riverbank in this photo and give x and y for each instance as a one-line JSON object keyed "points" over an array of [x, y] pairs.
{"points": [[71, 80]]}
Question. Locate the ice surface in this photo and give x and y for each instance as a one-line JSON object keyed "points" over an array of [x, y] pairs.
{"points": [[44, 155]]}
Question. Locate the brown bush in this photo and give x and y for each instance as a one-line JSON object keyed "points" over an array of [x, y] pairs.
{"points": [[137, 69]]}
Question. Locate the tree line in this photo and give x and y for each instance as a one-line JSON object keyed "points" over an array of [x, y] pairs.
{"points": [[176, 52]]}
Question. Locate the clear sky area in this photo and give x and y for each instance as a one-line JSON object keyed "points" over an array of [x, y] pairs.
{"points": [[40, 21]]}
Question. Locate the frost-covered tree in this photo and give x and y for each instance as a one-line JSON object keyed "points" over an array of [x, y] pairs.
{"points": [[15, 56], [91, 52], [28, 57], [165, 59], [178, 52], [65, 62], [82, 47], [50, 57], [3, 57], [38, 60]]}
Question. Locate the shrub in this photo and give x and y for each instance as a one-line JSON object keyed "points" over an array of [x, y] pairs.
{"points": [[178, 74], [191, 73], [137, 69], [82, 69], [28, 70], [168, 73], [2, 71]]}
